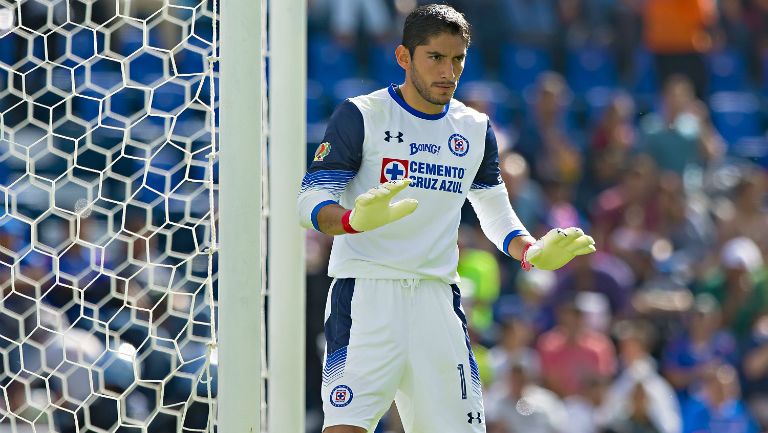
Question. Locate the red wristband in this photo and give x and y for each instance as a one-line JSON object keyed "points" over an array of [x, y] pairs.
{"points": [[345, 223], [524, 263]]}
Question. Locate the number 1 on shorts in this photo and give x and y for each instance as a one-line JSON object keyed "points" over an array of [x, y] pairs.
{"points": [[463, 381]]}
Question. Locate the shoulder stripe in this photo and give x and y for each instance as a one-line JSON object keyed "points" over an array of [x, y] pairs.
{"points": [[333, 181]]}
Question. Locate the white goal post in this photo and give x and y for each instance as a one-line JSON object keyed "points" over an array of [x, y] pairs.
{"points": [[244, 136], [287, 160], [240, 319]]}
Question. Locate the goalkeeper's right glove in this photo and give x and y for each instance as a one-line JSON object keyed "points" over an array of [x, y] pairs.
{"points": [[373, 209], [557, 248]]}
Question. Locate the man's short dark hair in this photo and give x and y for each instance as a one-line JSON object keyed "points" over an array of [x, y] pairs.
{"points": [[431, 20]]}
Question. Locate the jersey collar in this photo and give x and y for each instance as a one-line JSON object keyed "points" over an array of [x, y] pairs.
{"points": [[420, 114]]}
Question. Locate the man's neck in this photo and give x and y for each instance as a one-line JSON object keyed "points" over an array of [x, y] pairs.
{"points": [[412, 97]]}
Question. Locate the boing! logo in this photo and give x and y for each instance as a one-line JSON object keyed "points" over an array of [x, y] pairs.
{"points": [[458, 144]]}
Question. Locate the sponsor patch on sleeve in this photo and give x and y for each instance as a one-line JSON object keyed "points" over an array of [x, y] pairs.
{"points": [[322, 151]]}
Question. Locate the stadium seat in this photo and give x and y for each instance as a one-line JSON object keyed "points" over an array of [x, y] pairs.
{"points": [[493, 95], [595, 102], [474, 67], [8, 50], [82, 44], [644, 81], [330, 62], [727, 71], [351, 87], [590, 67], [315, 111], [147, 67], [752, 148], [124, 103], [736, 115], [168, 98], [764, 73], [98, 77], [520, 65], [382, 65]]}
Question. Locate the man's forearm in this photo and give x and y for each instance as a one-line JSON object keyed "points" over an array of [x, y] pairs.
{"points": [[329, 219], [517, 244]]}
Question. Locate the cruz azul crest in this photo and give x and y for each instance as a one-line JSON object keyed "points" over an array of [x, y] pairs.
{"points": [[341, 396], [458, 144]]}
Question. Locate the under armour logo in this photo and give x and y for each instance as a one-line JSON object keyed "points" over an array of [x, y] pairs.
{"points": [[388, 136], [477, 418]]}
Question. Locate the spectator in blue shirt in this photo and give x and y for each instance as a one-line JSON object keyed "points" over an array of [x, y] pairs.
{"points": [[704, 344], [672, 136], [720, 409], [755, 369]]}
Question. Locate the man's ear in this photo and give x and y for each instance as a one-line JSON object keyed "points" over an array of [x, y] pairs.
{"points": [[403, 57]]}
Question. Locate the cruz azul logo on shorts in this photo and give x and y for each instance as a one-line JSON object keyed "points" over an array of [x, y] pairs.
{"points": [[393, 169], [341, 396], [458, 144]]}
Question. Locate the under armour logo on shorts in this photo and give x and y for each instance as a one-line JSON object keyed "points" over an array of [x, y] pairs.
{"points": [[477, 418]]}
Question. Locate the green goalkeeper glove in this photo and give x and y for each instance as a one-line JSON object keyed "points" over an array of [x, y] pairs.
{"points": [[373, 209], [557, 248]]}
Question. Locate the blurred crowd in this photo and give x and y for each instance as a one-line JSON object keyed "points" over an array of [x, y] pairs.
{"points": [[642, 121]]}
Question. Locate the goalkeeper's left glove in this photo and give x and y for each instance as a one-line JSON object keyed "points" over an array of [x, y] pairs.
{"points": [[557, 248], [373, 208]]}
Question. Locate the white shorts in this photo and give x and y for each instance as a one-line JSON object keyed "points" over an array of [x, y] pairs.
{"points": [[401, 340]]}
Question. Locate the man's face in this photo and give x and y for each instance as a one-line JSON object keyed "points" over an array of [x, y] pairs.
{"points": [[678, 97], [436, 67]]}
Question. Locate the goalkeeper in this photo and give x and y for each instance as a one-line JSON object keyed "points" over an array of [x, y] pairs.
{"points": [[391, 175]]}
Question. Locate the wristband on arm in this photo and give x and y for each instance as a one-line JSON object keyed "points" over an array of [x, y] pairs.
{"points": [[345, 223], [524, 263]]}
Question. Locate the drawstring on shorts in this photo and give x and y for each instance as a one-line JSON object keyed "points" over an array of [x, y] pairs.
{"points": [[411, 283]]}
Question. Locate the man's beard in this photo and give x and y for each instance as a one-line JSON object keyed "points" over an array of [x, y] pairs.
{"points": [[425, 91]]}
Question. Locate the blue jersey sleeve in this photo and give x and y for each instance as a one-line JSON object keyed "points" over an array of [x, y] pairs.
{"points": [[338, 157], [336, 162], [489, 174]]}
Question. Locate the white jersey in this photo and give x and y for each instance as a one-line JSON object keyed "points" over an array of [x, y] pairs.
{"points": [[378, 137]]}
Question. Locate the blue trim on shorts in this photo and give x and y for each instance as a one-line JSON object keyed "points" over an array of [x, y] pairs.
{"points": [[474, 370], [334, 365], [339, 322]]}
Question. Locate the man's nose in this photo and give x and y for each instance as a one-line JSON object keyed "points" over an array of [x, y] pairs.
{"points": [[448, 72]]}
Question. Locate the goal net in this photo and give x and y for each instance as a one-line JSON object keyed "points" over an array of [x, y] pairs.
{"points": [[107, 238]]}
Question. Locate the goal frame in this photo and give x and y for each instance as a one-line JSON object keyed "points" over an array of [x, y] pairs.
{"points": [[240, 207]]}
